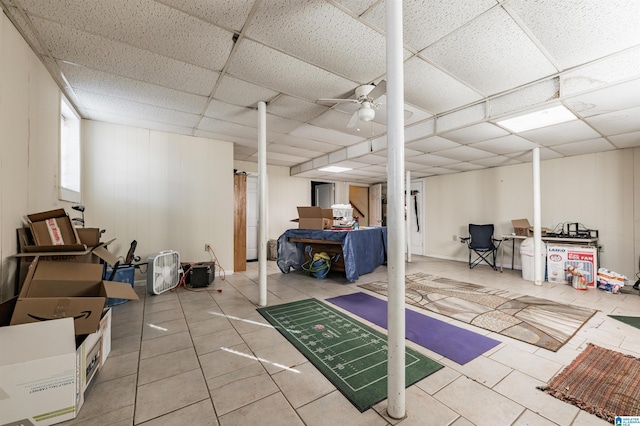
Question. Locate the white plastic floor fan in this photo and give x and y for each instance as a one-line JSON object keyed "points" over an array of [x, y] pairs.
{"points": [[163, 271]]}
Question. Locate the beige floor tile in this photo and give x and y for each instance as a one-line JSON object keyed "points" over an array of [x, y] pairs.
{"points": [[521, 388], [226, 360], [118, 366], [264, 338], [167, 395], [279, 357], [472, 401], [165, 344], [217, 340], [421, 408], [241, 391], [163, 316], [273, 410], [529, 418], [303, 385], [154, 330], [120, 346], [334, 409], [198, 414], [483, 370], [201, 328], [108, 397], [167, 365], [162, 306], [531, 364], [122, 416]]}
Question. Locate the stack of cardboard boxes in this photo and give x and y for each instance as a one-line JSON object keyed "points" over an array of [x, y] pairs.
{"points": [[56, 333]]}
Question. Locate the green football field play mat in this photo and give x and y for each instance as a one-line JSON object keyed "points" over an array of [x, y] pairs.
{"points": [[351, 355]]}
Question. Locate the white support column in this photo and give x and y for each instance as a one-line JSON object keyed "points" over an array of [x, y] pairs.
{"points": [[537, 233], [395, 212], [262, 202], [407, 209]]}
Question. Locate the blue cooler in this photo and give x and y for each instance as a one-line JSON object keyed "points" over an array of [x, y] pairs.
{"points": [[124, 274]]}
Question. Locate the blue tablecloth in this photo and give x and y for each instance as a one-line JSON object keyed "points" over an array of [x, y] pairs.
{"points": [[363, 249]]}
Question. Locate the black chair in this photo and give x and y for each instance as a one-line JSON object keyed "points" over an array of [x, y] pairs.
{"points": [[481, 243]]}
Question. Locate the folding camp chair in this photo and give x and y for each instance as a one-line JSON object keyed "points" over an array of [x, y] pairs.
{"points": [[482, 244]]}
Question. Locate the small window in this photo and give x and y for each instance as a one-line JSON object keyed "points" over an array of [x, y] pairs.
{"points": [[69, 153]]}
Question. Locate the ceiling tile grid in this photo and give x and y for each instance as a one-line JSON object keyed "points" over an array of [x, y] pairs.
{"points": [[200, 67]]}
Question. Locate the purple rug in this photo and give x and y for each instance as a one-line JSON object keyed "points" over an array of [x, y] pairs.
{"points": [[452, 342]]}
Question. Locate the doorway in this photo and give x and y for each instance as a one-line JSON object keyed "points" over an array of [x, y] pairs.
{"points": [[416, 205], [322, 194], [252, 217]]}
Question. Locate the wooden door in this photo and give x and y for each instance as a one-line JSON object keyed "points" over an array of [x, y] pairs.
{"points": [[240, 222], [375, 205]]}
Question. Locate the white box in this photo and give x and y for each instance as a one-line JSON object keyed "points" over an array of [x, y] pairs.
{"points": [[584, 258], [38, 372]]}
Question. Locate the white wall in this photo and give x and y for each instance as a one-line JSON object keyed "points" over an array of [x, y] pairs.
{"points": [[286, 193], [596, 190], [29, 128], [166, 191]]}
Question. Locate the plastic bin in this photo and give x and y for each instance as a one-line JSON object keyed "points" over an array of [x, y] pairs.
{"points": [[527, 258], [124, 274]]}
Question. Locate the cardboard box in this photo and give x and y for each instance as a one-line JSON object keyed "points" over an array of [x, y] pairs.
{"points": [[583, 258], [90, 237], [67, 289], [26, 255], [38, 373], [53, 231], [523, 228], [314, 218]]}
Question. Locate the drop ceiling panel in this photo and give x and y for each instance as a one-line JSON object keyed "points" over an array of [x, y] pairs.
{"points": [[505, 145], [121, 59], [283, 159], [371, 159], [322, 34], [441, 18], [226, 128], [432, 144], [125, 88], [307, 152], [464, 153], [249, 117], [475, 133], [628, 140], [497, 161], [277, 71], [320, 134], [294, 108], [230, 14], [465, 167], [503, 56], [300, 142], [419, 131], [236, 140], [615, 123], [527, 156], [109, 104], [137, 122], [243, 152], [146, 25], [575, 32], [358, 7], [584, 147], [432, 160], [568, 132], [237, 92], [433, 90], [609, 99]]}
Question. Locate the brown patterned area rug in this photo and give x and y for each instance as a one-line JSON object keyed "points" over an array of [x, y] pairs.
{"points": [[600, 381], [530, 319]]}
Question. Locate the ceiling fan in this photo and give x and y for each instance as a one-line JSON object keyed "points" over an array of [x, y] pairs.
{"points": [[365, 96]]}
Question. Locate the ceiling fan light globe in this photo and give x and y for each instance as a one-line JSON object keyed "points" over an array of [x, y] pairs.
{"points": [[366, 113]]}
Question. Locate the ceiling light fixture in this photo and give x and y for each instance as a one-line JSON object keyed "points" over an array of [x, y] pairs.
{"points": [[536, 120], [366, 112], [334, 169]]}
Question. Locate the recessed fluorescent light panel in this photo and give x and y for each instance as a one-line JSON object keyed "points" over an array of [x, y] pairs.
{"points": [[334, 169], [538, 119]]}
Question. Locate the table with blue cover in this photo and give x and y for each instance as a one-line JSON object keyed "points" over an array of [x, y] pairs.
{"points": [[362, 250]]}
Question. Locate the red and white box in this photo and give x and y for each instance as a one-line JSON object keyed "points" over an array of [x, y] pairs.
{"points": [[583, 258]]}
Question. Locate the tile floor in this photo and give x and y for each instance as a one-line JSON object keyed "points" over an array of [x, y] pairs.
{"points": [[208, 358]]}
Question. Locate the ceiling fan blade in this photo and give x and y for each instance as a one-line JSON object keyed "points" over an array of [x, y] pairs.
{"points": [[335, 101], [379, 90], [353, 121]]}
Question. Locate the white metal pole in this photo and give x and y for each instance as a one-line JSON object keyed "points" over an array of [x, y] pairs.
{"points": [[395, 206], [537, 241], [407, 209], [262, 202]]}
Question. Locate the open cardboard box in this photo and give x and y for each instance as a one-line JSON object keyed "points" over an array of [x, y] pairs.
{"points": [[314, 218], [522, 227], [53, 231], [67, 289], [44, 370]]}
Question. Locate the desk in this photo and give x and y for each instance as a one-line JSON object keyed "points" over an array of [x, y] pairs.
{"points": [[361, 250], [513, 238]]}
